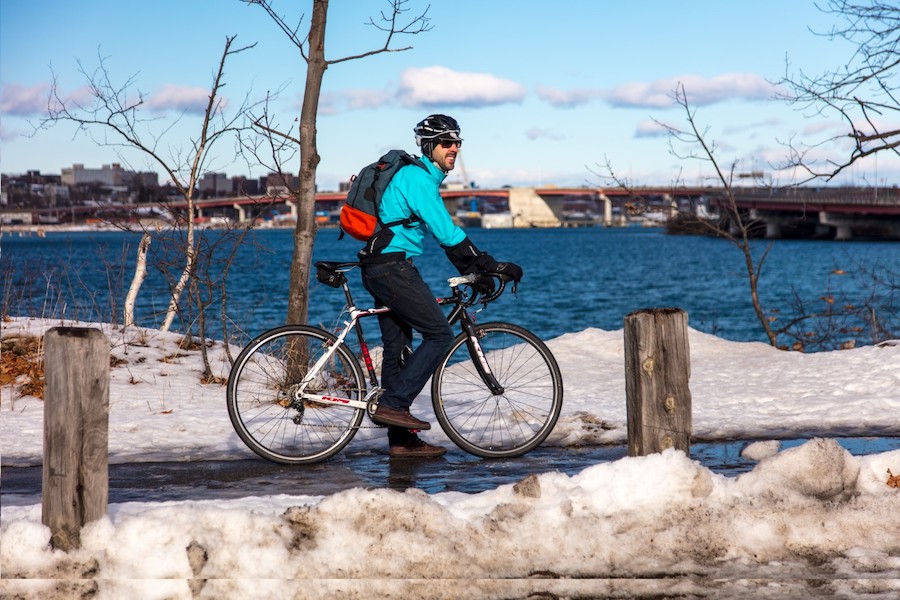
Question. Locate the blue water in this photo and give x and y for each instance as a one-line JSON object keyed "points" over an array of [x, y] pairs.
{"points": [[574, 278]]}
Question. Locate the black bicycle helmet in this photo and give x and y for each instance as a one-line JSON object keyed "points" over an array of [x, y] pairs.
{"points": [[434, 128]]}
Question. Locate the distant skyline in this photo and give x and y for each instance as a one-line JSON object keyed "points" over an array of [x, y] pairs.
{"points": [[546, 93]]}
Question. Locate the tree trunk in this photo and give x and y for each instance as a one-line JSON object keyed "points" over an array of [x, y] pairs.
{"points": [[305, 230], [190, 253], [140, 272]]}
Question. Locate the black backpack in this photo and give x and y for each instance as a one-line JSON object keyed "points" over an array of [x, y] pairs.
{"points": [[359, 214]]}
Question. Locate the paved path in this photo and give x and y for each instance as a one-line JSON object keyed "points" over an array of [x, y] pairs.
{"points": [[457, 471]]}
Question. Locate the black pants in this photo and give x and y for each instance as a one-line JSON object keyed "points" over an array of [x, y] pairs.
{"points": [[399, 286]]}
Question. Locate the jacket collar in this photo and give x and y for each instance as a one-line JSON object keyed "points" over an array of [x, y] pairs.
{"points": [[435, 170]]}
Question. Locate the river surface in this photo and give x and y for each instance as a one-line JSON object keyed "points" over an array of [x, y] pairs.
{"points": [[574, 279]]}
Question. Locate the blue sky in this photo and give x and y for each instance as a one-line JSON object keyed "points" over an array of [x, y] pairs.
{"points": [[546, 92]]}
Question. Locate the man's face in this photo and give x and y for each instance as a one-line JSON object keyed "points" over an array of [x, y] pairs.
{"points": [[444, 154]]}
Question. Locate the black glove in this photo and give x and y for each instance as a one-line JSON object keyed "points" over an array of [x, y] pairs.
{"points": [[469, 259], [508, 269], [484, 285]]}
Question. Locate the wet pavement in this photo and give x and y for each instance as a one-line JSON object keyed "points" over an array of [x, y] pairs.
{"points": [[456, 471]]}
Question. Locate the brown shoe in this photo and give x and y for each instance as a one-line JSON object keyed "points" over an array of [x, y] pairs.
{"points": [[384, 415], [417, 448]]}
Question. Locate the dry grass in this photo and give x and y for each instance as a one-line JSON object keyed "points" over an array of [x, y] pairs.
{"points": [[22, 364]]}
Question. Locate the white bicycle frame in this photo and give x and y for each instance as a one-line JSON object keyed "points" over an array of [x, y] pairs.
{"points": [[298, 394]]}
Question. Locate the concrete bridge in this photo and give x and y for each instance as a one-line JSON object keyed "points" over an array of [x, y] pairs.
{"points": [[838, 213], [519, 207], [526, 206], [841, 213]]}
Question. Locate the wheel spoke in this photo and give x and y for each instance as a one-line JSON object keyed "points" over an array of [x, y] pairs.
{"points": [[508, 424], [260, 396]]}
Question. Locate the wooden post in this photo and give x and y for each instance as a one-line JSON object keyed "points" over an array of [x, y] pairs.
{"points": [[76, 425], [657, 370]]}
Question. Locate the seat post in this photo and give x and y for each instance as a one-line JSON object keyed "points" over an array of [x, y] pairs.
{"points": [[347, 295]]}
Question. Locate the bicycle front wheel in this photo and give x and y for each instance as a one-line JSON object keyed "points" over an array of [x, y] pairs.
{"points": [[266, 413], [512, 422]]}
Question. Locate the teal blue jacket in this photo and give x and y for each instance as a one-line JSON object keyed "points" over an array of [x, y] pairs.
{"points": [[413, 191]]}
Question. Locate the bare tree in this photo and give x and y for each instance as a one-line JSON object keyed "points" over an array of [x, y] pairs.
{"points": [[835, 319], [739, 229], [312, 48], [114, 119], [863, 93]]}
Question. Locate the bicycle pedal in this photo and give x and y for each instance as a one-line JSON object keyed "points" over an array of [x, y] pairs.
{"points": [[372, 402]]}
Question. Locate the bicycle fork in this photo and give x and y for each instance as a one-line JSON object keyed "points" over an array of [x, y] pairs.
{"points": [[478, 358]]}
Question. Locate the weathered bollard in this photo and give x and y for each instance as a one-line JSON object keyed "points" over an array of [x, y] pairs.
{"points": [[657, 371], [75, 485]]}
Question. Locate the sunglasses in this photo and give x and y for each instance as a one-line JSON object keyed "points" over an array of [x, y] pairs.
{"points": [[450, 143]]}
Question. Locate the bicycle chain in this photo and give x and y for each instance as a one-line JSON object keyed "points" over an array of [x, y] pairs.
{"points": [[372, 404], [373, 426]]}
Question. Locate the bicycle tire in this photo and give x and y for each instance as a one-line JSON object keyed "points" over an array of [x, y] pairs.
{"points": [[509, 424], [262, 411]]}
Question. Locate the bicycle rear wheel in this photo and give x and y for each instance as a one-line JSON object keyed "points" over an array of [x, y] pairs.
{"points": [[262, 407], [508, 424]]}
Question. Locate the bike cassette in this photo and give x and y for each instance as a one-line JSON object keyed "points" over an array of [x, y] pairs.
{"points": [[372, 402]]}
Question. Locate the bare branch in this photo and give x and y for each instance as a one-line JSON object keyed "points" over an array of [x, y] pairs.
{"points": [[291, 32], [862, 93], [389, 22], [259, 124], [419, 24]]}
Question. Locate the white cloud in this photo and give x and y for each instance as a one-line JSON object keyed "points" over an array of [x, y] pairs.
{"points": [[33, 101], [361, 99], [566, 98], [439, 86], [426, 87], [700, 91], [187, 99], [334, 103], [660, 93], [657, 94], [328, 104], [23, 101]]}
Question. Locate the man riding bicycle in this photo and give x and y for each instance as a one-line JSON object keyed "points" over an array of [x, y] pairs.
{"points": [[388, 273]]}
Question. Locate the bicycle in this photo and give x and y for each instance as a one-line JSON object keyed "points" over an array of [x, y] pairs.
{"points": [[297, 394]]}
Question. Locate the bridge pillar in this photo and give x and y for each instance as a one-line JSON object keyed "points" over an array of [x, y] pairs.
{"points": [[842, 226], [843, 232], [847, 225], [242, 214], [528, 209], [607, 210], [773, 229], [673, 205]]}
